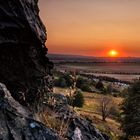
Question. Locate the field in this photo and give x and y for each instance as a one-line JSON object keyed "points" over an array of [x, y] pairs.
{"points": [[121, 71], [90, 110], [123, 77], [109, 73]]}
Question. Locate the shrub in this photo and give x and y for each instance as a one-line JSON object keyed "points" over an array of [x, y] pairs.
{"points": [[64, 80], [86, 87], [131, 111], [84, 84], [69, 80], [100, 85], [81, 81], [61, 82], [78, 99]]}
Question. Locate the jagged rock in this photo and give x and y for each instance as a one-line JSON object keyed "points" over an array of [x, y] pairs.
{"points": [[24, 66], [16, 122], [88, 130], [77, 134], [26, 71], [74, 121]]}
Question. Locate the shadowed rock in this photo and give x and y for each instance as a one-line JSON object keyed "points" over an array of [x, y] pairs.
{"points": [[26, 72], [63, 112], [16, 123], [24, 66]]}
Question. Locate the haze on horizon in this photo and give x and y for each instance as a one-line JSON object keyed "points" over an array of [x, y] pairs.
{"points": [[92, 27]]}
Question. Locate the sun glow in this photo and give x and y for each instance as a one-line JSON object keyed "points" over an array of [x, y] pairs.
{"points": [[113, 53]]}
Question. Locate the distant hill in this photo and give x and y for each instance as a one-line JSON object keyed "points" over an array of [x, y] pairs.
{"points": [[79, 58]]}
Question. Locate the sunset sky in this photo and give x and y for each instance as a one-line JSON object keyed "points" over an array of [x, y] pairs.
{"points": [[92, 27]]}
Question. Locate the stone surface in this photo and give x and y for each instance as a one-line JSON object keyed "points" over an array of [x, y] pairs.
{"points": [[16, 122], [24, 66], [73, 120], [26, 72]]}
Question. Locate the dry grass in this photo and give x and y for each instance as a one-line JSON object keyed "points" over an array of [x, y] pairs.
{"points": [[90, 111], [135, 138], [92, 101], [52, 120]]}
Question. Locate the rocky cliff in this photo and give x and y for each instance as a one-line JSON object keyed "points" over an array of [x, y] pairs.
{"points": [[24, 67], [26, 72], [17, 123]]}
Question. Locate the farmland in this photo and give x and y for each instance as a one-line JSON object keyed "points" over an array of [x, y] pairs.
{"points": [[121, 71]]}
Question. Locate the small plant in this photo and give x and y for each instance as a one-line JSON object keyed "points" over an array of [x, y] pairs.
{"points": [[78, 99], [59, 125]]}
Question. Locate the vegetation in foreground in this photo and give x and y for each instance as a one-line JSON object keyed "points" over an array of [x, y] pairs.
{"points": [[91, 111], [131, 111], [111, 114]]}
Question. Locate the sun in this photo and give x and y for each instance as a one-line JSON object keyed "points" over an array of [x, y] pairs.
{"points": [[113, 53]]}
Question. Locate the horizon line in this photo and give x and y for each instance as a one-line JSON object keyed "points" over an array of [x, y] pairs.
{"points": [[92, 55]]}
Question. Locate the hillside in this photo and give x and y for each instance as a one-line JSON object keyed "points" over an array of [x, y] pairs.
{"points": [[91, 111], [26, 79]]}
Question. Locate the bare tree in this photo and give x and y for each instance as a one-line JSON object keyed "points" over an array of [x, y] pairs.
{"points": [[106, 106]]}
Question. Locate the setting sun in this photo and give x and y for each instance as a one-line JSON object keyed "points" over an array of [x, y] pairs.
{"points": [[113, 53]]}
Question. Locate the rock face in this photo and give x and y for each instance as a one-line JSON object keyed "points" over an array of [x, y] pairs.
{"points": [[16, 122], [24, 67], [26, 72], [85, 128]]}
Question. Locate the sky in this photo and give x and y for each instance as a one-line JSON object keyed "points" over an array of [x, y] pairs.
{"points": [[92, 27]]}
